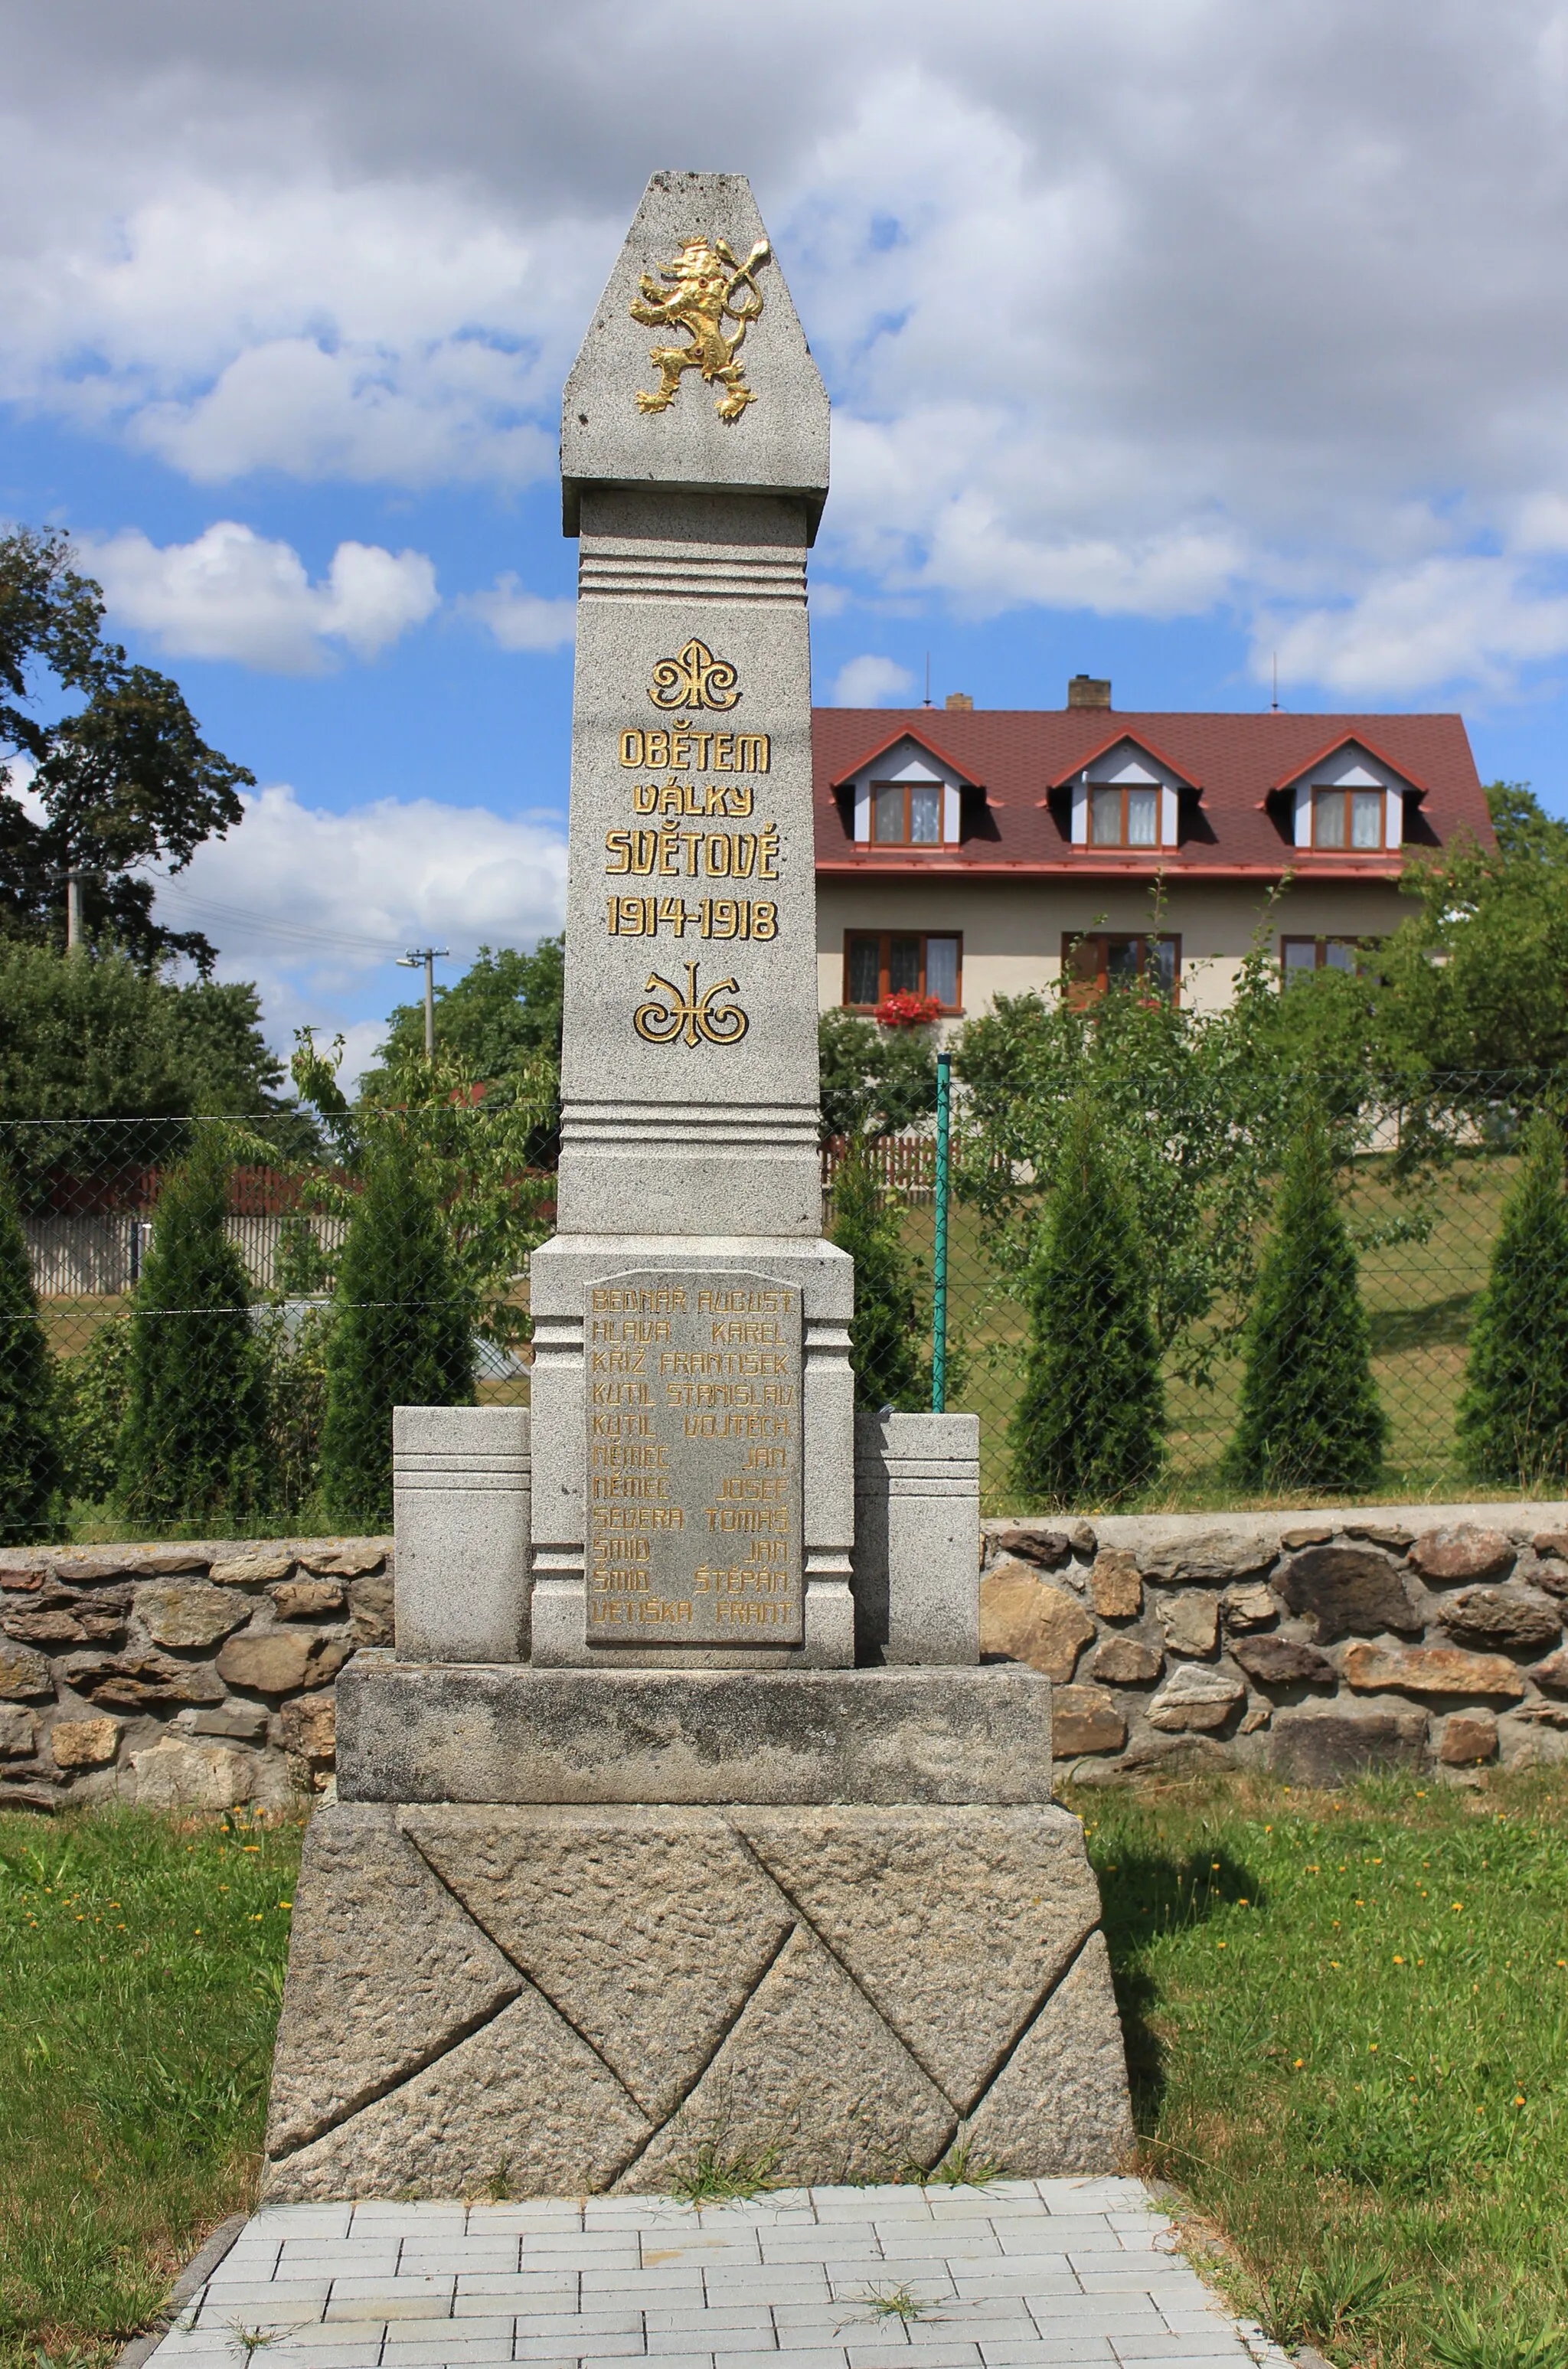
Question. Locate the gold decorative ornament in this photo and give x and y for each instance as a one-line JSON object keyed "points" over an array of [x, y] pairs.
{"points": [[696, 678], [704, 282], [692, 1016]]}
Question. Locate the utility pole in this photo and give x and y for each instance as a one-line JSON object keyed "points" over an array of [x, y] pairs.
{"points": [[429, 956], [74, 879]]}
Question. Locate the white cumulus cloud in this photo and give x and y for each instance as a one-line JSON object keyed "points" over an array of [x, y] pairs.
{"points": [[1473, 620], [1156, 308], [234, 594], [872, 681], [315, 907], [521, 620]]}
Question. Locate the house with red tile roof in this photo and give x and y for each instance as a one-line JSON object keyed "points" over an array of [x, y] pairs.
{"points": [[964, 852]]}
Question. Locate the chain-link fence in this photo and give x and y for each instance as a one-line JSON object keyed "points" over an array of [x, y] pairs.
{"points": [[204, 1325], [1420, 1182]]}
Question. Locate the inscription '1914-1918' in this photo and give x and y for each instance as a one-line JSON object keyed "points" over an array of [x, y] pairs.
{"points": [[693, 1460]]}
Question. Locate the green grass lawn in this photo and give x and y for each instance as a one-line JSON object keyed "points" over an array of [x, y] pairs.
{"points": [[141, 1971], [1348, 2017]]}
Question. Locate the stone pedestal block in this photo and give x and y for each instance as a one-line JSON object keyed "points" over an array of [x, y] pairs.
{"points": [[461, 1489], [575, 1998], [917, 1538], [427, 1733]]}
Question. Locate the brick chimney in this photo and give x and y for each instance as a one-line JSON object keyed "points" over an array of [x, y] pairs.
{"points": [[959, 700], [1088, 690]]}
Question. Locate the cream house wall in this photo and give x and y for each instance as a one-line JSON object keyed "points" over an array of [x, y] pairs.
{"points": [[1013, 929]]}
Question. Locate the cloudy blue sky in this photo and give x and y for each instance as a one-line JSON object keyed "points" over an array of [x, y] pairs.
{"points": [[1165, 337]]}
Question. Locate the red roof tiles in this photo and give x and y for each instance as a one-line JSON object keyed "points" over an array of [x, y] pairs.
{"points": [[1241, 827]]}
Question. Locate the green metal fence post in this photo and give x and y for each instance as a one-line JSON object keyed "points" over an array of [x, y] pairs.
{"points": [[939, 1261]]}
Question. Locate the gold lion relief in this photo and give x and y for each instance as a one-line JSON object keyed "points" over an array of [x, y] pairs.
{"points": [[703, 285]]}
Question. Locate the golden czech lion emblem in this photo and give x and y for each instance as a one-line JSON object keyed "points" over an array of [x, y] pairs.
{"points": [[703, 291]]}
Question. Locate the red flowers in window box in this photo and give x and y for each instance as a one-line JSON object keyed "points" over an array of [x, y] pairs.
{"points": [[906, 1010]]}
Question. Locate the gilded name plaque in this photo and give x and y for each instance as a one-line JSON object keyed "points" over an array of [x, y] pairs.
{"points": [[693, 1460]]}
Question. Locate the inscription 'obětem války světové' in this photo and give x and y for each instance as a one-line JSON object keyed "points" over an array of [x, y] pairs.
{"points": [[660, 844]]}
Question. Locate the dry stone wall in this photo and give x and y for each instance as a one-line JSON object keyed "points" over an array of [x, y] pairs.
{"points": [[191, 1675], [200, 1675], [1317, 1646]]}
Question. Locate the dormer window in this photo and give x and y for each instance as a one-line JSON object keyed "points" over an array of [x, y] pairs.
{"points": [[1124, 814], [1126, 796], [1347, 818], [906, 814], [1349, 799]]}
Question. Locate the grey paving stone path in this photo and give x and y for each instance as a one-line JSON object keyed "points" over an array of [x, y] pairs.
{"points": [[1054, 2273]]}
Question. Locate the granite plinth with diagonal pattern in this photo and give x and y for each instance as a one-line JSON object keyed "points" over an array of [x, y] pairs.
{"points": [[565, 2000]]}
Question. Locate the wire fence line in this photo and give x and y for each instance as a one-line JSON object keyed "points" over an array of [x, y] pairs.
{"points": [[204, 1323]]}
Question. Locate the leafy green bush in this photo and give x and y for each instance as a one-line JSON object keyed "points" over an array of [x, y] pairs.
{"points": [[192, 1448], [1311, 1417], [892, 1313], [1513, 1416], [402, 1331], [873, 1081], [31, 1466], [1087, 1428]]}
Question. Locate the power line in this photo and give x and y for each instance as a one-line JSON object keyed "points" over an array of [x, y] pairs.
{"points": [[266, 925]]}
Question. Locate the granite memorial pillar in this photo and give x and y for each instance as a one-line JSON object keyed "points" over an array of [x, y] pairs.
{"points": [[693, 1445], [631, 1866]]}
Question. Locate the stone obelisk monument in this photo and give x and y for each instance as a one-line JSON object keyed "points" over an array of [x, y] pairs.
{"points": [[630, 1865], [691, 1327]]}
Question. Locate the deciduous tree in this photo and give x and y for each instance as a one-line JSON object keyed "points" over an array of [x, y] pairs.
{"points": [[125, 779]]}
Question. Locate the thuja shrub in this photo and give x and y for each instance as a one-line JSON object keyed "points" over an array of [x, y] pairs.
{"points": [[1513, 1416], [1311, 1417], [31, 1467], [192, 1446], [401, 1333], [891, 1329], [1088, 1427], [96, 1383]]}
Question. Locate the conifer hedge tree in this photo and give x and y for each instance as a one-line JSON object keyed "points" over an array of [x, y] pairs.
{"points": [[193, 1444], [1310, 1413], [31, 1468], [402, 1334], [1088, 1428], [1513, 1416], [891, 1325]]}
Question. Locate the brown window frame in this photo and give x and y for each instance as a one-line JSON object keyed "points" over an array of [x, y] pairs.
{"points": [[1083, 989], [1321, 945], [1159, 838], [1317, 790], [941, 839], [884, 937]]}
